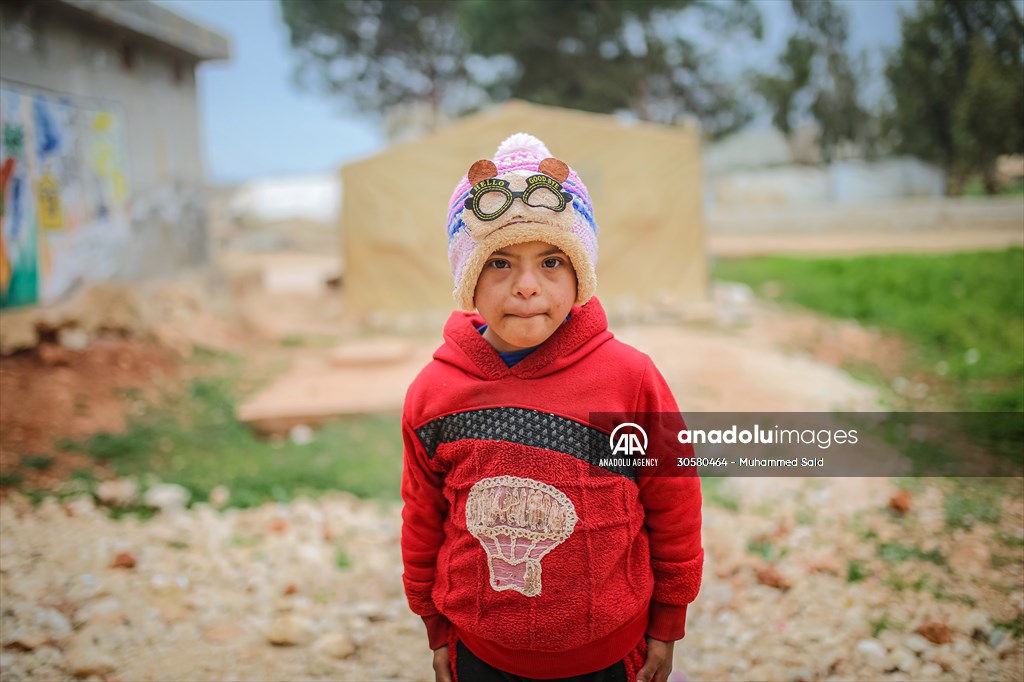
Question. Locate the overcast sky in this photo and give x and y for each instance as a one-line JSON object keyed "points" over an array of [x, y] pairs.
{"points": [[256, 123]]}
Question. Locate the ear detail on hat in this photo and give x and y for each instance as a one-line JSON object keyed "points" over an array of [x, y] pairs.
{"points": [[554, 168], [481, 170]]}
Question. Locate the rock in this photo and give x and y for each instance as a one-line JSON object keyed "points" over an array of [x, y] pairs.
{"points": [[53, 622], [27, 640], [900, 502], [301, 434], [935, 632], [290, 631], [167, 497], [118, 492], [123, 560], [335, 645], [220, 496], [770, 576], [997, 637], [976, 622], [85, 587], [826, 564], [872, 653], [82, 660], [917, 643], [222, 633], [80, 507], [73, 338], [931, 671], [903, 659], [104, 611]]}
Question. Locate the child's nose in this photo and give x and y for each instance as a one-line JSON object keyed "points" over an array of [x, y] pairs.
{"points": [[527, 283]]}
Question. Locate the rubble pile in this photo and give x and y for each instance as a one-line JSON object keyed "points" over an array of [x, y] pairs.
{"points": [[808, 579]]}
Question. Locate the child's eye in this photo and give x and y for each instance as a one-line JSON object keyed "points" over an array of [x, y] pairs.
{"points": [[498, 263], [552, 262]]}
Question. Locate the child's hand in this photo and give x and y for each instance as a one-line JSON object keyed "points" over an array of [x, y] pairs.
{"points": [[442, 669], [659, 661]]}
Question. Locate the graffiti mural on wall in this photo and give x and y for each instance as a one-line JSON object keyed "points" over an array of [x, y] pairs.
{"points": [[64, 205]]}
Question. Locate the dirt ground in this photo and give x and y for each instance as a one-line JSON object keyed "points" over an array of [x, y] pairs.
{"points": [[797, 585], [53, 392]]}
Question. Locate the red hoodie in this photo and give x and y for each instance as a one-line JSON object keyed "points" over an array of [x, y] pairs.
{"points": [[545, 565]]}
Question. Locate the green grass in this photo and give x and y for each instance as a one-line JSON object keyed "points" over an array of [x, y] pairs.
{"points": [[717, 492], [882, 624], [965, 310], [895, 552], [856, 571], [194, 439], [974, 187], [37, 462], [313, 341], [963, 511]]}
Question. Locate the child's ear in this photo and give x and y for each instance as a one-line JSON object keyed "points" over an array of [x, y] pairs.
{"points": [[554, 168], [481, 170]]}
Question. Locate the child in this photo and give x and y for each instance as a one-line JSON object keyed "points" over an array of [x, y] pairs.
{"points": [[526, 559]]}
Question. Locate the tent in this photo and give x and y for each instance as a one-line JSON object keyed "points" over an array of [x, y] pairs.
{"points": [[644, 180]]}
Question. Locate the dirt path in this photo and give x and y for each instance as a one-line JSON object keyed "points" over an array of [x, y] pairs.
{"points": [[849, 244]]}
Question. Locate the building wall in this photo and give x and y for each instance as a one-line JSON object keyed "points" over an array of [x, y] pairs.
{"points": [[109, 130]]}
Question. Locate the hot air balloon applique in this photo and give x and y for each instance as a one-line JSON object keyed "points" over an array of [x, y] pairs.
{"points": [[518, 521]]}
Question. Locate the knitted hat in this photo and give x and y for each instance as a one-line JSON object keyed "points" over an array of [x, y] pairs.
{"points": [[523, 195]]}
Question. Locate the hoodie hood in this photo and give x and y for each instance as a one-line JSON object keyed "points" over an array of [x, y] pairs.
{"points": [[465, 348]]}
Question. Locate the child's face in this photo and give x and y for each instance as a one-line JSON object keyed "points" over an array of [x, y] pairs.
{"points": [[524, 293]]}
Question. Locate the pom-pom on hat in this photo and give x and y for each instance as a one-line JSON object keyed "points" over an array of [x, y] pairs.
{"points": [[523, 194]]}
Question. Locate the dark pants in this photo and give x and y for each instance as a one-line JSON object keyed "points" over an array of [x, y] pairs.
{"points": [[469, 668]]}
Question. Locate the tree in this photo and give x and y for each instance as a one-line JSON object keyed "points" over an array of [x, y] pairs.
{"points": [[780, 91], [379, 55], [596, 55], [816, 79], [615, 55], [956, 83]]}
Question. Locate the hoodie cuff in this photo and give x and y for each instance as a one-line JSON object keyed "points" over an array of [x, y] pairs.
{"points": [[668, 621], [438, 628]]}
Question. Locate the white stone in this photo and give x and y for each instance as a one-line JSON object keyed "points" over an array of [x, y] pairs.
{"points": [[290, 631], [872, 652], [85, 587], [904, 659], [917, 643], [301, 434], [53, 622], [167, 497], [81, 506], [997, 637], [118, 492], [82, 660], [976, 620], [26, 639], [73, 338], [335, 645], [96, 609]]}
